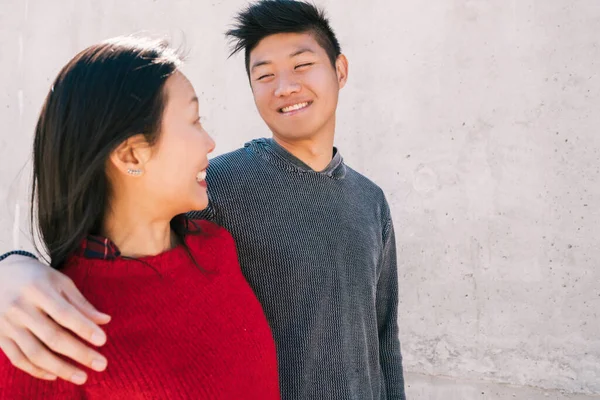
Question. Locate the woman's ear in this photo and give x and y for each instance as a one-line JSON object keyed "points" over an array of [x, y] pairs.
{"points": [[131, 156]]}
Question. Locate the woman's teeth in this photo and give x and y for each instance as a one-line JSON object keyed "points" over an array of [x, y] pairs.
{"points": [[201, 176]]}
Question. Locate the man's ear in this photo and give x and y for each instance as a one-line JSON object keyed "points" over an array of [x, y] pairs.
{"points": [[341, 69]]}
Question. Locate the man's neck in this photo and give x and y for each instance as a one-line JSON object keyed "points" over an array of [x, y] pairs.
{"points": [[131, 228], [315, 152]]}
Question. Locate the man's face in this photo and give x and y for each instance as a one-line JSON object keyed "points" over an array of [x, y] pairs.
{"points": [[295, 86]]}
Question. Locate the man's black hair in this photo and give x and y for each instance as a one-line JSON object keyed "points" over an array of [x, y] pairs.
{"points": [[269, 17]]}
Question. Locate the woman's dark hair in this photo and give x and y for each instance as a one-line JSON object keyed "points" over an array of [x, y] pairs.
{"points": [[269, 17], [104, 95]]}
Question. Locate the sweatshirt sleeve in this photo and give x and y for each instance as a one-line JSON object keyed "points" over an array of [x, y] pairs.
{"points": [[387, 317]]}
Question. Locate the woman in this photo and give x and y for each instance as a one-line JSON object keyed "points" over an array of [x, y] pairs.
{"points": [[120, 156]]}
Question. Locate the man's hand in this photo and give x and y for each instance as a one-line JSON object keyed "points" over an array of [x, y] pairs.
{"points": [[40, 310]]}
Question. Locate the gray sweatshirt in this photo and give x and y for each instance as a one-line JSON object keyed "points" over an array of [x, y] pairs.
{"points": [[318, 250]]}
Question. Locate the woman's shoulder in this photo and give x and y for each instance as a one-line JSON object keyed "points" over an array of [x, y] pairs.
{"points": [[212, 245]]}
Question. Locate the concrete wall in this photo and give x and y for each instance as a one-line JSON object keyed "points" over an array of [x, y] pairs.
{"points": [[476, 117]]}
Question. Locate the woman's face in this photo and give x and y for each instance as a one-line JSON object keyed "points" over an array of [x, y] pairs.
{"points": [[174, 175]]}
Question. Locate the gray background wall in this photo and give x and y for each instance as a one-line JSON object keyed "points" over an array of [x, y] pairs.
{"points": [[476, 117]]}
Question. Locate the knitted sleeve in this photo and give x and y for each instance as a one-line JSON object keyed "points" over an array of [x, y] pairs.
{"points": [[17, 253], [387, 317]]}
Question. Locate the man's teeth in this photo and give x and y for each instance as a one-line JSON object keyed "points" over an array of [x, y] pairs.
{"points": [[201, 176], [294, 107]]}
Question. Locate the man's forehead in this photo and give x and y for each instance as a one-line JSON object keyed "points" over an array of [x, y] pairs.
{"points": [[284, 45]]}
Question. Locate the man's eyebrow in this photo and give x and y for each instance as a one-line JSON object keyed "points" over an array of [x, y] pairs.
{"points": [[301, 51], [260, 64], [294, 54]]}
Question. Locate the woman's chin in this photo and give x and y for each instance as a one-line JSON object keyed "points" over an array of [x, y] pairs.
{"points": [[193, 203], [200, 204]]}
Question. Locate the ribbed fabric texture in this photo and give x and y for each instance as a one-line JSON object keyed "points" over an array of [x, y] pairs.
{"points": [[177, 332], [17, 253], [318, 249]]}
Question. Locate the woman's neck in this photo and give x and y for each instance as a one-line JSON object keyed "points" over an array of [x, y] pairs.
{"points": [[133, 229]]}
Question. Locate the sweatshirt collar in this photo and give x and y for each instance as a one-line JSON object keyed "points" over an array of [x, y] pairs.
{"points": [[273, 151]]}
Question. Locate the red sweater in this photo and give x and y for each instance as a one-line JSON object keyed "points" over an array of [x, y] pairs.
{"points": [[177, 332]]}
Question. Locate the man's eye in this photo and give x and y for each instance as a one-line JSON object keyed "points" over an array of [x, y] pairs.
{"points": [[263, 76], [303, 65]]}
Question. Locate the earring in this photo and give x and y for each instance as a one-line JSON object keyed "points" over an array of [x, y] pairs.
{"points": [[134, 172]]}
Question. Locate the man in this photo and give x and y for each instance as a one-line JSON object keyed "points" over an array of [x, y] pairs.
{"points": [[315, 238]]}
